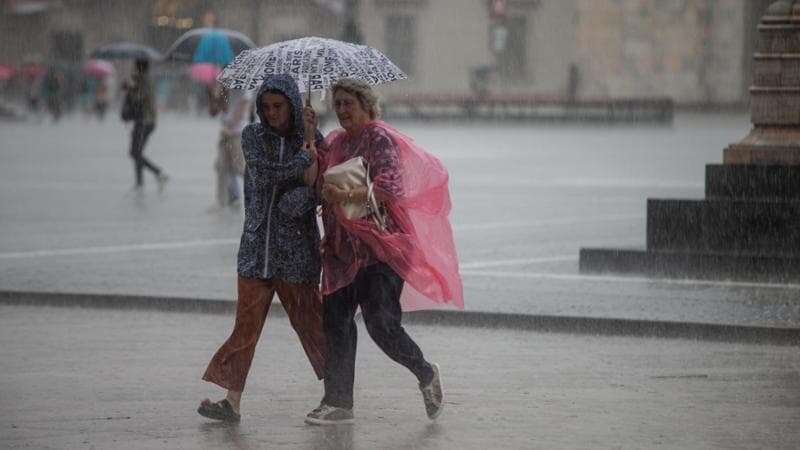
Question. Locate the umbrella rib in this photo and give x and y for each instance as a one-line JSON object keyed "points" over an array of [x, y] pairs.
{"points": [[199, 32]]}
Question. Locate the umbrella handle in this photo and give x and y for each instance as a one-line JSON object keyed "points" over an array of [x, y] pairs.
{"points": [[309, 133]]}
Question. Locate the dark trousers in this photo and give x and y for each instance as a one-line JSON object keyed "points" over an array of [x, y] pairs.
{"points": [[376, 289], [141, 132]]}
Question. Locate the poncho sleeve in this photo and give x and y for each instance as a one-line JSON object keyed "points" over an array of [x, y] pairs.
{"points": [[385, 169]]}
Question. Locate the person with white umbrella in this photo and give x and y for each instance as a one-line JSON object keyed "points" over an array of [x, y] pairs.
{"points": [[279, 248], [388, 243]]}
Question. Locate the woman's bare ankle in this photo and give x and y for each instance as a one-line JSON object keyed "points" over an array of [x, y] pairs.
{"points": [[235, 399]]}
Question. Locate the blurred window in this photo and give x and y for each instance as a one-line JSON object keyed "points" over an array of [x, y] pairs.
{"points": [[401, 41], [512, 57], [171, 18]]}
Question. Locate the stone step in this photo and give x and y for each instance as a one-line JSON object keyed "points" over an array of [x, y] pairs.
{"points": [[697, 265], [738, 154], [752, 181], [724, 226]]}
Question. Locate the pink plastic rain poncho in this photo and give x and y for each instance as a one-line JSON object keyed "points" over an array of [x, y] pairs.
{"points": [[418, 244]]}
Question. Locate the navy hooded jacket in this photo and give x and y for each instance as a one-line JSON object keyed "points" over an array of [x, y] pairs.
{"points": [[280, 237]]}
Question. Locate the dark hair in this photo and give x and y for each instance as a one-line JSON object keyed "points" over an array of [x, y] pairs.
{"points": [[277, 91]]}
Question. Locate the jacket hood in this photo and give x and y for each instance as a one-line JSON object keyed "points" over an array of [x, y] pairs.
{"points": [[288, 87]]}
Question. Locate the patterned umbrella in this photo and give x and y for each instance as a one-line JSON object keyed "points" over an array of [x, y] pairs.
{"points": [[315, 63], [208, 45]]}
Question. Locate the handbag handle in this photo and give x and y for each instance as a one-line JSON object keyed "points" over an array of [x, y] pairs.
{"points": [[372, 202]]}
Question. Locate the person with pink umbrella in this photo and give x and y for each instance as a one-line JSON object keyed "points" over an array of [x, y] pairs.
{"points": [[98, 72], [210, 49]]}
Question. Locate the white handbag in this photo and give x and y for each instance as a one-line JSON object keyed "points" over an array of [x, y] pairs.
{"points": [[351, 174]]}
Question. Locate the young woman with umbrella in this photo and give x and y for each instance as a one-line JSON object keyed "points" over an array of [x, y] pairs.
{"points": [[279, 249]]}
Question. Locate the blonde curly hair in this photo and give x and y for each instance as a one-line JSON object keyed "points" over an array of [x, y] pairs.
{"points": [[363, 92]]}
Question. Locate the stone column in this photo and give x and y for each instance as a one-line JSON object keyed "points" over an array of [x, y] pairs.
{"points": [[775, 94], [748, 225]]}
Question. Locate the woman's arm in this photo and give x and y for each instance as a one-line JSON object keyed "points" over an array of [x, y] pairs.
{"points": [[311, 174], [310, 123], [272, 172], [385, 169], [305, 199], [298, 201]]}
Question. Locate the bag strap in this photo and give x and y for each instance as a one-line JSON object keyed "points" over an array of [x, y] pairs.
{"points": [[372, 202]]}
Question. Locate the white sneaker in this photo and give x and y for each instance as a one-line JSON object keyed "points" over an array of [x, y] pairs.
{"points": [[329, 415], [161, 179], [433, 394]]}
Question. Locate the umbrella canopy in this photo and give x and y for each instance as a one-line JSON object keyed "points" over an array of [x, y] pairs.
{"points": [[7, 72], [126, 50], [213, 48], [98, 68], [315, 63], [209, 45], [205, 73], [32, 70]]}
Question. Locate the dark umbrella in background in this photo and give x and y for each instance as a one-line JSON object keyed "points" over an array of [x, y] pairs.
{"points": [[126, 50], [209, 45]]}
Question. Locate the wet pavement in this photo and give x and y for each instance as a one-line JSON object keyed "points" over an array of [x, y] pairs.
{"points": [[526, 198], [111, 379]]}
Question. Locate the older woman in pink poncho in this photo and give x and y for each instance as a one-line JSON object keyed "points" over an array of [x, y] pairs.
{"points": [[411, 264]]}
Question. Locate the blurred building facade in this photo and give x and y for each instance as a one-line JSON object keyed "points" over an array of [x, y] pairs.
{"points": [[694, 51], [69, 29]]}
